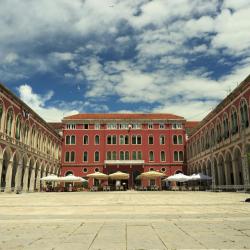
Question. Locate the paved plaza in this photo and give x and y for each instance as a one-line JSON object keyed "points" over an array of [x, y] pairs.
{"points": [[125, 220]]}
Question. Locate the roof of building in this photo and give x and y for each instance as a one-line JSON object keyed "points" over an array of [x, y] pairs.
{"points": [[191, 124], [118, 116], [56, 125], [236, 92]]}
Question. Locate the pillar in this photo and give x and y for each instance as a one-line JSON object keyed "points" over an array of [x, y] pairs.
{"points": [[38, 177], [245, 172], [8, 177], [25, 179], [236, 172], [18, 178], [213, 175], [1, 168], [32, 180], [227, 173]]}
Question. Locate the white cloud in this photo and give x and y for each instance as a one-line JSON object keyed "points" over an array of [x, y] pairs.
{"points": [[38, 104]]}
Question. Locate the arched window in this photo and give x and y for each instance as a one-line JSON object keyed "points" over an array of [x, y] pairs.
{"points": [[73, 139], [18, 128], [109, 139], [176, 156], [122, 140], [97, 156], [97, 140], [72, 156], [85, 156], [225, 127], [180, 140], [122, 156], [218, 132], [151, 156], [67, 156], [181, 156], [134, 155], [175, 139], [139, 155], [126, 155], [134, 139], [9, 122], [85, 140], [126, 139], [163, 156], [212, 134], [244, 114], [207, 142], [162, 139], [234, 121], [109, 155], [114, 139], [114, 155], [138, 139], [151, 140]]}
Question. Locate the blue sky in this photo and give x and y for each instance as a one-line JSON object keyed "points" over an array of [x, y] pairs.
{"points": [[62, 57]]}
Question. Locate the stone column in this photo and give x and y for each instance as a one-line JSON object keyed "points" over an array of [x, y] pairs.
{"points": [[43, 182], [25, 179], [8, 177], [18, 178], [245, 172], [236, 172], [213, 175], [38, 177], [227, 174], [1, 168], [32, 180]]}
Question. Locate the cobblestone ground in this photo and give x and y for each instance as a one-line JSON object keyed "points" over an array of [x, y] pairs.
{"points": [[125, 220]]}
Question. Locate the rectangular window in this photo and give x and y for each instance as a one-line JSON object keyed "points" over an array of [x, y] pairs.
{"points": [[150, 126], [161, 125], [70, 126], [123, 126], [85, 126], [111, 126], [176, 126], [136, 126], [97, 126]]}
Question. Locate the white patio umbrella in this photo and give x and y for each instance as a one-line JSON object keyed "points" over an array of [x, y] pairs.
{"points": [[200, 177], [51, 177], [119, 176], [178, 178], [72, 178], [98, 175]]}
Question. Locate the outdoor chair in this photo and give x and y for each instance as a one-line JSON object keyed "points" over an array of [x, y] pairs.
{"points": [[104, 188], [108, 188]]}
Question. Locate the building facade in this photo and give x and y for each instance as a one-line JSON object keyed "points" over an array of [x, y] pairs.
{"points": [[220, 145], [29, 147], [132, 143]]}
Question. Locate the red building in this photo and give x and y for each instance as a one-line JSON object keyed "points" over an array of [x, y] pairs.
{"points": [[132, 143]]}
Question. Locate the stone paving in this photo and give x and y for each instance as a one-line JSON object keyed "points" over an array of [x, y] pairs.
{"points": [[125, 220]]}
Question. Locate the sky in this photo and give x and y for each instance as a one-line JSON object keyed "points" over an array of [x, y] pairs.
{"points": [[66, 57]]}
